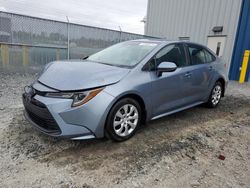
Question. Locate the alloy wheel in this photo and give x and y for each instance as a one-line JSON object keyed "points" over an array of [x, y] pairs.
{"points": [[216, 95], [125, 120]]}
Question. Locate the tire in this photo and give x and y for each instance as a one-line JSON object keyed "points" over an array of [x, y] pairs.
{"points": [[215, 96], [123, 120]]}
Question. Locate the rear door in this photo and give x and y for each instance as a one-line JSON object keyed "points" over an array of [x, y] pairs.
{"points": [[199, 73]]}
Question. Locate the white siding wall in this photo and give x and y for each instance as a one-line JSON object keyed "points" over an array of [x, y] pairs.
{"points": [[172, 19]]}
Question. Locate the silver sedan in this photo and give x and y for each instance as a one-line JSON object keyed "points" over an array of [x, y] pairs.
{"points": [[113, 92]]}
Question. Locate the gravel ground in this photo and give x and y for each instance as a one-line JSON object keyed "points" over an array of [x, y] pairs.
{"points": [[181, 150]]}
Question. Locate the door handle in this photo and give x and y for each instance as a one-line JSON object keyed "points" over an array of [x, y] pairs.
{"points": [[210, 68], [188, 74]]}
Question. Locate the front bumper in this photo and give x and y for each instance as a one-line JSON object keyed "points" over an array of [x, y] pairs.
{"points": [[56, 117]]}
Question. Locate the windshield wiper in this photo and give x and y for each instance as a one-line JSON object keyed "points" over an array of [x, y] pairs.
{"points": [[84, 57], [123, 66], [114, 65]]}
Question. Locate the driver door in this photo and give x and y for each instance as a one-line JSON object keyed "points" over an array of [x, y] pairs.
{"points": [[167, 89]]}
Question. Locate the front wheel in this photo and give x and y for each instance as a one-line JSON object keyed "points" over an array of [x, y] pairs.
{"points": [[215, 95], [123, 119]]}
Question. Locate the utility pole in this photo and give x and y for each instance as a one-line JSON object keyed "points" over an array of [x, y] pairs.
{"points": [[120, 33], [68, 34], [144, 20]]}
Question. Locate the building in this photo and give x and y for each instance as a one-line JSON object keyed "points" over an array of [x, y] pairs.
{"points": [[222, 25]]}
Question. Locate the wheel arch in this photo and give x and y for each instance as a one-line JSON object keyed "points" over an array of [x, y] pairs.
{"points": [[134, 96], [223, 82], [141, 102]]}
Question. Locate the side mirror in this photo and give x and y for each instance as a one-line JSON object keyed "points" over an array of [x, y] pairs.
{"points": [[166, 67]]}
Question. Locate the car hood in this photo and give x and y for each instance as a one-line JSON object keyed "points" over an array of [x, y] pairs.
{"points": [[80, 75]]}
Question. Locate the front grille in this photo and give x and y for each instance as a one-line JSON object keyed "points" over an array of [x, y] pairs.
{"points": [[40, 115]]}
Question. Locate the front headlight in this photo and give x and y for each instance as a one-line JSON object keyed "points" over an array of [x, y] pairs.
{"points": [[79, 98]]}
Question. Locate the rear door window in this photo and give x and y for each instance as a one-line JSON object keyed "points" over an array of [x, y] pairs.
{"points": [[209, 57], [197, 54]]}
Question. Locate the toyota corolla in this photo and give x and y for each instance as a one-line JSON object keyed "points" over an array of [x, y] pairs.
{"points": [[113, 92]]}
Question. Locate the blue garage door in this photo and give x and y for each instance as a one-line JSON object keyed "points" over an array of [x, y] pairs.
{"points": [[242, 42]]}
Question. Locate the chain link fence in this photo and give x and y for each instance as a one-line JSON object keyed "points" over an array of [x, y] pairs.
{"points": [[29, 43]]}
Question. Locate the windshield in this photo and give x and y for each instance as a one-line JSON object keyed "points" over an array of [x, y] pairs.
{"points": [[125, 54]]}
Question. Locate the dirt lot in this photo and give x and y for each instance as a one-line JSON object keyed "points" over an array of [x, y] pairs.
{"points": [[180, 150]]}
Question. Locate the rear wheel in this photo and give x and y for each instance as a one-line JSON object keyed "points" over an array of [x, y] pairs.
{"points": [[123, 119], [215, 95]]}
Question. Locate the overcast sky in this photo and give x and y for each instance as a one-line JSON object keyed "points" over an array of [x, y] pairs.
{"points": [[101, 13]]}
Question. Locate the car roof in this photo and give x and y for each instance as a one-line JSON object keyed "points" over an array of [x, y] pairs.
{"points": [[165, 41], [156, 40]]}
